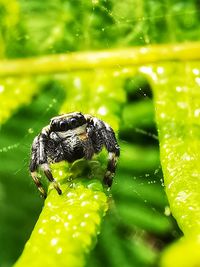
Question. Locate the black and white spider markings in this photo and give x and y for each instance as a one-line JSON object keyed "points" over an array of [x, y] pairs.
{"points": [[70, 137]]}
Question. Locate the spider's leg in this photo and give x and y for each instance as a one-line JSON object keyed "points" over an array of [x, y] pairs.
{"points": [[39, 159], [114, 152], [46, 169], [43, 158], [102, 134], [111, 168], [34, 166], [34, 175]]}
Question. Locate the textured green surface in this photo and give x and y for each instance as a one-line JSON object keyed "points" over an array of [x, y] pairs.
{"points": [[177, 106], [68, 224], [178, 126]]}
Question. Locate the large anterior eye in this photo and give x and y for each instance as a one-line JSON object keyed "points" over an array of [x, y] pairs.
{"points": [[73, 123], [63, 125]]}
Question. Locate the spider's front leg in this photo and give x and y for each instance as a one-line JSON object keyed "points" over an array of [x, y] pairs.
{"points": [[34, 164], [102, 134], [39, 159], [114, 152]]}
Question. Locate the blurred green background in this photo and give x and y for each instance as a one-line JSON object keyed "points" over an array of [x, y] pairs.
{"points": [[139, 225]]}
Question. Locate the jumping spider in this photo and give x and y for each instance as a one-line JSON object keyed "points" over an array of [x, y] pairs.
{"points": [[70, 137]]}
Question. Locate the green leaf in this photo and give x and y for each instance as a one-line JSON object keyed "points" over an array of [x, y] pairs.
{"points": [[179, 131]]}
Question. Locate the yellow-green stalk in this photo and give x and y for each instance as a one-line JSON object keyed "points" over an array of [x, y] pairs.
{"points": [[177, 107], [68, 225]]}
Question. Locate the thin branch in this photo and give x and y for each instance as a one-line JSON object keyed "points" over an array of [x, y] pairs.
{"points": [[100, 59]]}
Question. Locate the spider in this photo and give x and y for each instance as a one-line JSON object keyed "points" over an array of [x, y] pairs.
{"points": [[71, 137]]}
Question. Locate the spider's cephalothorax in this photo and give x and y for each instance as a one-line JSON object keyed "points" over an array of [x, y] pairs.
{"points": [[70, 137]]}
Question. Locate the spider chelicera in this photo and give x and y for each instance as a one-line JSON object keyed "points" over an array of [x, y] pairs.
{"points": [[70, 137]]}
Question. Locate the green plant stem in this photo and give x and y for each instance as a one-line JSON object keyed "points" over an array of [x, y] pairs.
{"points": [[177, 101], [68, 225], [100, 59]]}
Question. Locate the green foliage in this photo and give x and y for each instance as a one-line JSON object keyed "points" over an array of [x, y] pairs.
{"points": [[138, 225], [178, 124], [41, 27]]}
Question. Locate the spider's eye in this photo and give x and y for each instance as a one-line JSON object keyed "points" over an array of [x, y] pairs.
{"points": [[73, 122], [63, 125], [54, 126]]}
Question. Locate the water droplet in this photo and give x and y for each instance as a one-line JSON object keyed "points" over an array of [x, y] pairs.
{"points": [[77, 82], [143, 50], [197, 112], [116, 73], [160, 70], [197, 79], [49, 204], [66, 224], [30, 131], [96, 196], [125, 70], [100, 88], [102, 110], [178, 89], [60, 172], [162, 115], [41, 231], [59, 250], [191, 208], [162, 182], [195, 71], [167, 211], [70, 216], [1, 88], [83, 224], [54, 241], [84, 203]]}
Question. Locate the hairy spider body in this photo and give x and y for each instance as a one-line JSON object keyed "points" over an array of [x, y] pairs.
{"points": [[70, 137]]}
